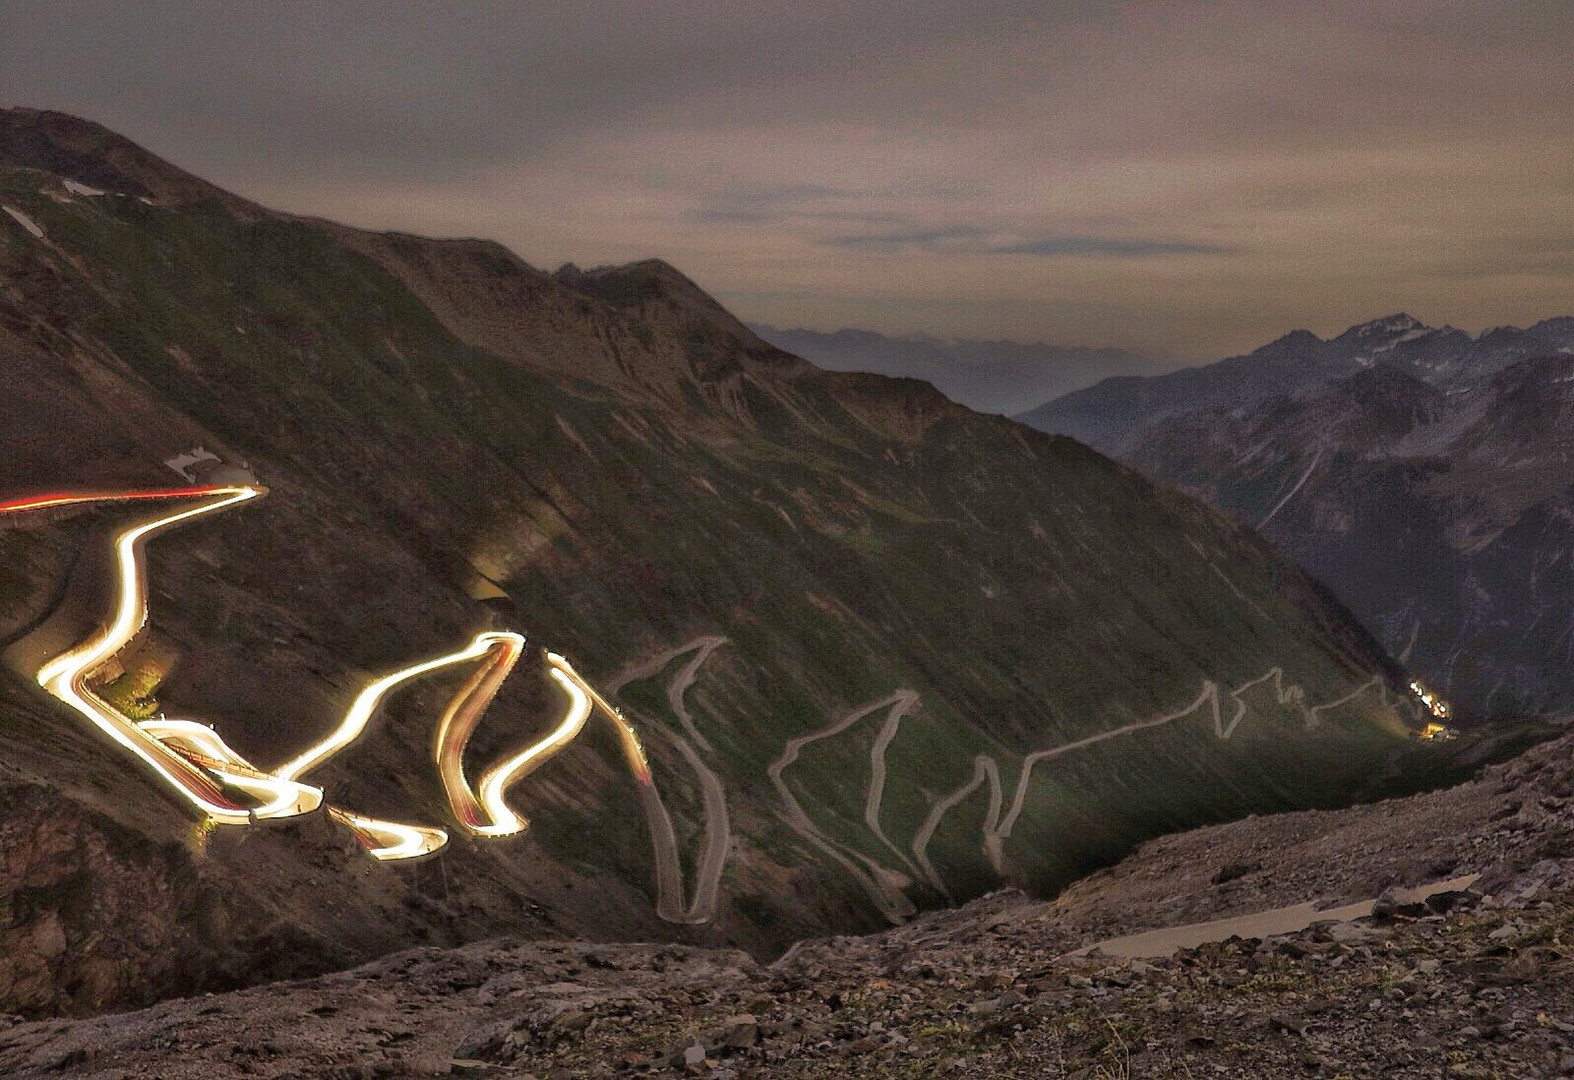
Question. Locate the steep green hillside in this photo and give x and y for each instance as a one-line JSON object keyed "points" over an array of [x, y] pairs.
{"points": [[636, 472]]}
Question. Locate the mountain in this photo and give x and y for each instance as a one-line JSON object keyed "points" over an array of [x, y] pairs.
{"points": [[1113, 415], [884, 652], [1443, 516], [991, 376]]}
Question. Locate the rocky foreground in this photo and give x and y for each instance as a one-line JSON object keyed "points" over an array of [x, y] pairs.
{"points": [[1473, 983]]}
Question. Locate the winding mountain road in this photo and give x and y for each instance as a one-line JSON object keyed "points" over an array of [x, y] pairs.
{"points": [[196, 762], [718, 827], [199, 766], [883, 885], [481, 810], [997, 828], [460, 719]]}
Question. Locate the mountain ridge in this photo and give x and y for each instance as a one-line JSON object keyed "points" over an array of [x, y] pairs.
{"points": [[1113, 415]]}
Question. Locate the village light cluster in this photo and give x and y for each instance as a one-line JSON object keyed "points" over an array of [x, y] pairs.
{"points": [[1437, 705], [1437, 728]]}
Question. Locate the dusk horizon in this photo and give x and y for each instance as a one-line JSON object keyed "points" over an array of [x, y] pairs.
{"points": [[1187, 181]]}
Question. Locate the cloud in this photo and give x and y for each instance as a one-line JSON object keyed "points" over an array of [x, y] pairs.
{"points": [[1187, 178], [776, 204], [1108, 245], [969, 239]]}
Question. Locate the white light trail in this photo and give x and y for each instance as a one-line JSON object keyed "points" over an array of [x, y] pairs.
{"points": [[366, 702], [68, 676], [496, 781], [205, 747], [387, 841], [201, 767], [459, 722]]}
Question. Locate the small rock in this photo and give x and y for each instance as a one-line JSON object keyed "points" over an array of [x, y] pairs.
{"points": [[1288, 1025], [1232, 871], [1445, 901], [739, 1032], [1354, 933]]}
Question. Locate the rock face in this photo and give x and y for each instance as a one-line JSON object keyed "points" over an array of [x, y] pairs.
{"points": [[98, 914], [1442, 516], [609, 462], [1470, 983]]}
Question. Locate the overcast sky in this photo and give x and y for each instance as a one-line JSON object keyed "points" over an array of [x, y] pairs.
{"points": [[1189, 179]]}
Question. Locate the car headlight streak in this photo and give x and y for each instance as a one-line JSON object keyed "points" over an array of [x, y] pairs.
{"points": [[387, 841], [196, 762], [69, 676], [495, 781], [203, 746]]}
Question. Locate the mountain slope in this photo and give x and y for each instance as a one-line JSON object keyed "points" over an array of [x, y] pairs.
{"points": [[1115, 414], [610, 463], [1444, 518]]}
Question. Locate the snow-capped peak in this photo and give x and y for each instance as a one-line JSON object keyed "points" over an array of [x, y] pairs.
{"points": [[1400, 324]]}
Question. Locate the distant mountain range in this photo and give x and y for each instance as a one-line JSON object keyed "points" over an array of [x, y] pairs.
{"points": [[1114, 414], [991, 376], [1426, 474]]}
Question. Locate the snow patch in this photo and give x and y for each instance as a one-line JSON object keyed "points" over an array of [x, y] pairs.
{"points": [[182, 463], [1393, 325], [81, 189], [1408, 335], [23, 220]]}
